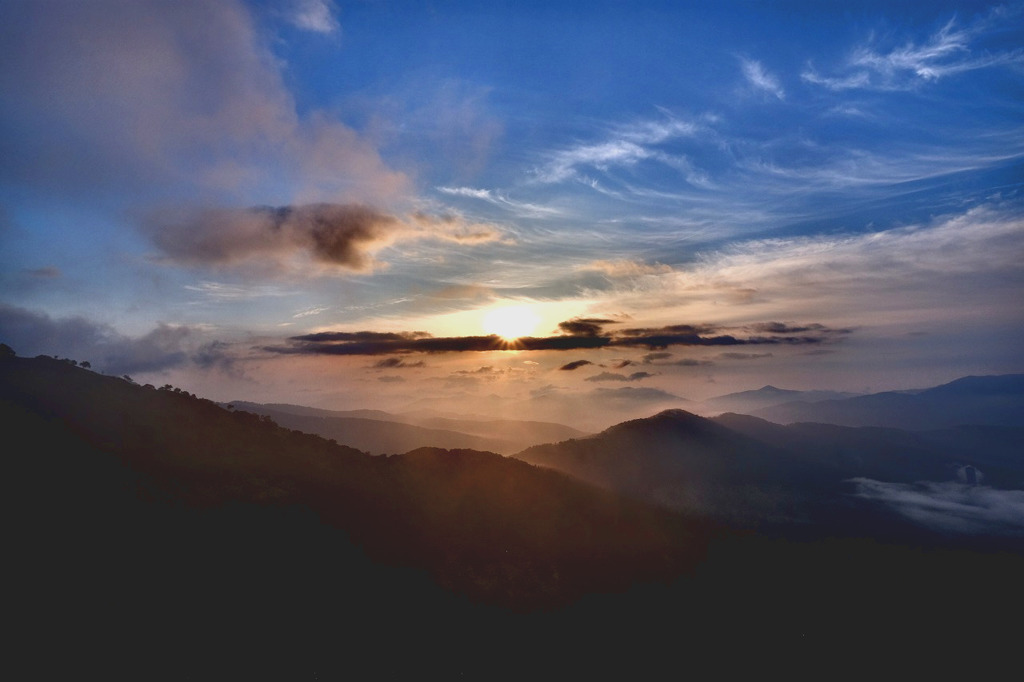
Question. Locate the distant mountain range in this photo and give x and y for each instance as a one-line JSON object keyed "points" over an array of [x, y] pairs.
{"points": [[767, 396], [989, 400]]}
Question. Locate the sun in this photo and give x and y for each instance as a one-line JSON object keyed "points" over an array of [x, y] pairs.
{"points": [[510, 322]]}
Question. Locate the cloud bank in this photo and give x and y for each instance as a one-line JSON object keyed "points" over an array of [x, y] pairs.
{"points": [[165, 347]]}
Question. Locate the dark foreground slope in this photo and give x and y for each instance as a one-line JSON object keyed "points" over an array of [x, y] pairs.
{"points": [[155, 535]]}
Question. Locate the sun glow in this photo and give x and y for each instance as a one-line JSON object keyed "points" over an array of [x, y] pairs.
{"points": [[510, 322]]}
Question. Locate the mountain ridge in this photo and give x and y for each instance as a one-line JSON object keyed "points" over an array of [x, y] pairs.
{"points": [[986, 400]]}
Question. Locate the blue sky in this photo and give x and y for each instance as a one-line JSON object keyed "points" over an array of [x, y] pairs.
{"points": [[677, 200]]}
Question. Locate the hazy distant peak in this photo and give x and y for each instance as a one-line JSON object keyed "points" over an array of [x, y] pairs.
{"points": [[991, 383]]}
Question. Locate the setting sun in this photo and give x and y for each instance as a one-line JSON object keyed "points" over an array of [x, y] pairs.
{"points": [[510, 322]]}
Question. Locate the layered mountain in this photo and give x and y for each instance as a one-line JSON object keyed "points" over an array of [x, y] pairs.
{"points": [[987, 400], [766, 396], [379, 432]]}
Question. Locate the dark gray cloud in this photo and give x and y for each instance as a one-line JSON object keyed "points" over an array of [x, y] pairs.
{"points": [[396, 363], [650, 358], [334, 234], [743, 356], [584, 326], [576, 364], [217, 355], [783, 328], [374, 343], [657, 338], [302, 238], [661, 358], [612, 376]]}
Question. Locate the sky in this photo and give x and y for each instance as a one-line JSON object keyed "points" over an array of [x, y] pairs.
{"points": [[562, 211]]}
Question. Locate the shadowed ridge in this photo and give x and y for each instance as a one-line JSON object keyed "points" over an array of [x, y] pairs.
{"points": [[987, 384]]}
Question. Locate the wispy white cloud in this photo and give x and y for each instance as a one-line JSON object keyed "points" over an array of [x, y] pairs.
{"points": [[601, 156], [760, 79], [951, 50], [960, 268], [624, 146], [844, 168], [978, 241], [857, 80], [314, 15], [521, 208], [221, 291], [308, 312], [626, 268]]}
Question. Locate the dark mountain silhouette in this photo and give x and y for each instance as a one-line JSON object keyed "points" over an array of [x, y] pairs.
{"points": [[379, 432], [987, 400], [766, 396], [157, 535]]}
